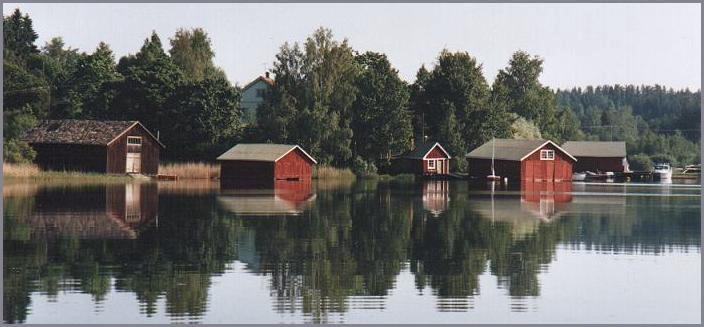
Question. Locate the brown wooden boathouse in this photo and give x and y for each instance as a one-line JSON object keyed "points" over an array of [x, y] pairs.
{"points": [[113, 147], [265, 163]]}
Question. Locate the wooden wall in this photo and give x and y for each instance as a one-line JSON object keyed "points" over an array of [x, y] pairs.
{"points": [[71, 157], [293, 165], [614, 164], [560, 169], [481, 168], [117, 152], [244, 170]]}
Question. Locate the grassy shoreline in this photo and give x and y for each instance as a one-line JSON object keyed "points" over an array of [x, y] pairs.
{"points": [[184, 171]]}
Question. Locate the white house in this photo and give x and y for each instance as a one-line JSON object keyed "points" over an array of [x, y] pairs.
{"points": [[253, 96]]}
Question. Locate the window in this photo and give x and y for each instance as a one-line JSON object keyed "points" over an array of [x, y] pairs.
{"points": [[134, 140], [431, 164], [260, 93], [547, 154]]}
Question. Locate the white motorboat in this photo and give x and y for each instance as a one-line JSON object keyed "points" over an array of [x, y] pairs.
{"points": [[579, 177], [662, 171]]}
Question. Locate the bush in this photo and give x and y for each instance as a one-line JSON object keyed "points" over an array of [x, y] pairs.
{"points": [[640, 162], [361, 167], [663, 158], [16, 151]]}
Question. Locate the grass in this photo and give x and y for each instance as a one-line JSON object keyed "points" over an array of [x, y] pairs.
{"points": [[327, 172], [31, 171], [191, 170]]}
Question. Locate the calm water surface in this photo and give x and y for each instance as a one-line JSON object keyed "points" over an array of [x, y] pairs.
{"points": [[355, 252]]}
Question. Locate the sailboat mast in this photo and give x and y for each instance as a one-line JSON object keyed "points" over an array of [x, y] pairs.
{"points": [[492, 157]]}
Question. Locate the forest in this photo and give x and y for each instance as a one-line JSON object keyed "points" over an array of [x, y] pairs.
{"points": [[347, 108]]}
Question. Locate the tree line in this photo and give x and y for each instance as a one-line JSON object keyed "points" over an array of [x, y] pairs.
{"points": [[349, 109]]}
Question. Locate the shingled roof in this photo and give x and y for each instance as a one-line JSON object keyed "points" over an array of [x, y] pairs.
{"points": [[509, 149], [73, 131], [595, 148], [261, 152], [422, 150]]}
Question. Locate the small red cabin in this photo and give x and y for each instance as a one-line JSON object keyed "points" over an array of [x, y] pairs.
{"points": [[258, 163], [426, 159], [525, 160]]}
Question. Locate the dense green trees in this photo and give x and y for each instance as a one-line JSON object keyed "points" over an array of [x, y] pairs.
{"points": [[652, 120], [181, 94], [348, 109]]}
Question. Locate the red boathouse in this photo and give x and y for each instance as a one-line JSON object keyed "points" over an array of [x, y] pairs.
{"points": [[598, 156], [265, 163], [525, 160], [426, 159]]}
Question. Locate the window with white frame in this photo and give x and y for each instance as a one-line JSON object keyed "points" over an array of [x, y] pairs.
{"points": [[134, 140], [547, 154], [431, 164]]}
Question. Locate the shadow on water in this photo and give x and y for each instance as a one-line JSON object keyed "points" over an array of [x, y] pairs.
{"points": [[333, 247]]}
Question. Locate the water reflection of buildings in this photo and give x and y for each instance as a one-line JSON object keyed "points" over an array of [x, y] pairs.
{"points": [[436, 196], [105, 212], [539, 202], [281, 198]]}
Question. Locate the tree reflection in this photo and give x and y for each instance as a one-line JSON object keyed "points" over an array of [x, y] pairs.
{"points": [[345, 249]]}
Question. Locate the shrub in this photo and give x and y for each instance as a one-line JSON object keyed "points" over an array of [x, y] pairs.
{"points": [[663, 158], [640, 161], [361, 167], [16, 151]]}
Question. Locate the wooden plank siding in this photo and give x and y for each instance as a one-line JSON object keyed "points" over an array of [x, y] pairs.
{"points": [[71, 157], [560, 169], [603, 164], [117, 152], [529, 169], [293, 165]]}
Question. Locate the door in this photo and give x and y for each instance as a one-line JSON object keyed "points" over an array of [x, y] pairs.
{"points": [[134, 163]]}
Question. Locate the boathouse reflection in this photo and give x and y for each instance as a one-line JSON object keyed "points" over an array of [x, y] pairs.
{"points": [[279, 198]]}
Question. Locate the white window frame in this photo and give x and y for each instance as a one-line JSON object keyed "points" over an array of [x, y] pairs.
{"points": [[431, 164], [547, 154], [134, 138]]}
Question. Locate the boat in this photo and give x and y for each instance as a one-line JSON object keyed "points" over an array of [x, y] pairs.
{"points": [[662, 171], [692, 170], [579, 177], [493, 176]]}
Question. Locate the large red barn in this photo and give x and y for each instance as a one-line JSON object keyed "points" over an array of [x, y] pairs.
{"points": [[265, 163], [525, 160]]}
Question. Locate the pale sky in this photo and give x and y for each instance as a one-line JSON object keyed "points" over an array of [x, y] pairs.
{"points": [[582, 44]]}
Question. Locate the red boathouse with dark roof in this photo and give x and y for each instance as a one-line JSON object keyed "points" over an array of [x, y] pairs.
{"points": [[255, 164], [426, 159], [113, 147], [524, 160]]}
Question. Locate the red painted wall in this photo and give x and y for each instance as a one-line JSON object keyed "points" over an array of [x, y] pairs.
{"points": [[117, 152], [534, 169], [436, 153], [531, 168], [293, 165]]}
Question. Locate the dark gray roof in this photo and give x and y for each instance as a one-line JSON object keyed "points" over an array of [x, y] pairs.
{"points": [[422, 150], [509, 149], [260, 152], [72, 131], [595, 148]]}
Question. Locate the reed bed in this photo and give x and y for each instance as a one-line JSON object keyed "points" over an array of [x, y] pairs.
{"points": [[327, 172], [32, 171], [190, 170]]}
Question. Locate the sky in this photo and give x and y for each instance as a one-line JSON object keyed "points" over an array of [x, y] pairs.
{"points": [[581, 44]]}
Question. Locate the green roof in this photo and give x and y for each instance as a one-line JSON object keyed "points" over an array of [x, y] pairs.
{"points": [[261, 152], [596, 149]]}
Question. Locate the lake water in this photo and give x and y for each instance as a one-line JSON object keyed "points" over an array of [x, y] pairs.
{"points": [[353, 252]]}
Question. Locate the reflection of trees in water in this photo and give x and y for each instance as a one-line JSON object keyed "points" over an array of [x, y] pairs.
{"points": [[174, 261], [352, 241]]}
